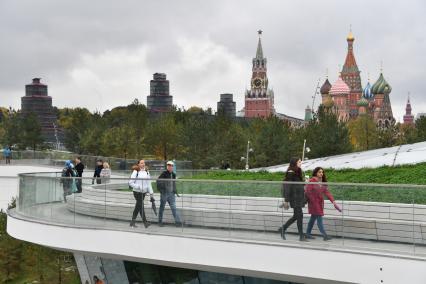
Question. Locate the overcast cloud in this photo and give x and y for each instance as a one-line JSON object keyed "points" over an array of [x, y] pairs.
{"points": [[102, 54]]}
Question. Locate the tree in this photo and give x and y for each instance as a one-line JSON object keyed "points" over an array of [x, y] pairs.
{"points": [[363, 133], [76, 123], [325, 135], [421, 128], [162, 137], [30, 129], [271, 141]]}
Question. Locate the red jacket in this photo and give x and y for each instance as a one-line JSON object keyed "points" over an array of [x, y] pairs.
{"points": [[315, 194]]}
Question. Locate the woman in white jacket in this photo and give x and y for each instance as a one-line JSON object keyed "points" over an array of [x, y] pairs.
{"points": [[141, 185]]}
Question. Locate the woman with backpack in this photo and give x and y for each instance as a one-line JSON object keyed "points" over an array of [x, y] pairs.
{"points": [[141, 185], [294, 194], [68, 183]]}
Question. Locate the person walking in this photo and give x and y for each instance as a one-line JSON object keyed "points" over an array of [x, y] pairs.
{"points": [[167, 187], [97, 173], [105, 173], [141, 185], [315, 192], [7, 153], [79, 167], [294, 194]]}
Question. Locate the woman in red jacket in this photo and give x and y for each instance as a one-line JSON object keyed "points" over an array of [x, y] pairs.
{"points": [[315, 193]]}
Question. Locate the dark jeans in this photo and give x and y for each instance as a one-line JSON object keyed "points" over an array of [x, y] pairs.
{"points": [[78, 182], [168, 198], [297, 216], [311, 223], [139, 206]]}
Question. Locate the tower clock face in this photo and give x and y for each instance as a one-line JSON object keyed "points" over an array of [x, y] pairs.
{"points": [[257, 82]]}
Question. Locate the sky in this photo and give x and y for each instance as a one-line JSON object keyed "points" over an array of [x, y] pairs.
{"points": [[101, 54]]}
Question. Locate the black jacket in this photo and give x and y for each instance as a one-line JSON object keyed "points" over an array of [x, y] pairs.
{"points": [[79, 168], [167, 186], [294, 193], [98, 170]]}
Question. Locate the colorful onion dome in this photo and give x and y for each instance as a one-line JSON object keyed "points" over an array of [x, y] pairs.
{"points": [[362, 102], [339, 88], [350, 36], [366, 93], [381, 86], [325, 88]]}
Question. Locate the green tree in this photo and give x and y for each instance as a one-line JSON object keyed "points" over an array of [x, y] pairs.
{"points": [[271, 141], [76, 123], [421, 128], [363, 133], [162, 137], [30, 132], [325, 135]]}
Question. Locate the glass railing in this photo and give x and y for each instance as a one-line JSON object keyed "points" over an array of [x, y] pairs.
{"points": [[373, 217], [58, 158]]}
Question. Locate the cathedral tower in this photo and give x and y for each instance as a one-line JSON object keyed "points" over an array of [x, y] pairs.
{"points": [[259, 100], [382, 106], [351, 76], [408, 117]]}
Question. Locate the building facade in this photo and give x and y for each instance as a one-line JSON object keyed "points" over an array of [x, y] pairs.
{"points": [[259, 100], [159, 99], [226, 105], [37, 101], [348, 99]]}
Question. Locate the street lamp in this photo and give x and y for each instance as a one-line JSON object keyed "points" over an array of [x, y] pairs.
{"points": [[249, 150], [305, 149]]}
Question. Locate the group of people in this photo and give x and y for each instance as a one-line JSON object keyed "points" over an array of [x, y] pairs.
{"points": [[140, 183], [296, 195], [7, 154], [102, 172], [75, 170]]}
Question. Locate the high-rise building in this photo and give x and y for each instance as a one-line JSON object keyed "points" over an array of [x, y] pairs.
{"points": [[159, 99], [226, 105], [259, 100], [408, 117], [37, 101]]}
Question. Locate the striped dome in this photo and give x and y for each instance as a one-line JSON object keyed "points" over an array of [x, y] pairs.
{"points": [[362, 102], [366, 93], [381, 86], [339, 88]]}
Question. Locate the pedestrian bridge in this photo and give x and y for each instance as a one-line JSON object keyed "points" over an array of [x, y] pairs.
{"points": [[230, 227]]}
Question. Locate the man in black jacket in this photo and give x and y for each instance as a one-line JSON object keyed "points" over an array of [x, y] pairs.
{"points": [[167, 187], [79, 167]]}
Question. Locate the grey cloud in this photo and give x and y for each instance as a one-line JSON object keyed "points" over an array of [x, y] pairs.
{"points": [[301, 39]]}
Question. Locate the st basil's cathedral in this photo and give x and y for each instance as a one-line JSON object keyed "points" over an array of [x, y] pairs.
{"points": [[348, 99]]}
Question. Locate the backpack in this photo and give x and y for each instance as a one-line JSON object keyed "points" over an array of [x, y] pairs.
{"points": [[137, 174]]}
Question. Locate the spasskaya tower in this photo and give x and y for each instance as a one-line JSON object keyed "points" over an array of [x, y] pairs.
{"points": [[259, 100]]}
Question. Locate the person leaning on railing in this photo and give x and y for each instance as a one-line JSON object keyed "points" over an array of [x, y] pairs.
{"points": [[294, 194], [140, 183], [105, 173]]}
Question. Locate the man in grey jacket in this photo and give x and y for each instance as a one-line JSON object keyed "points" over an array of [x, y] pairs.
{"points": [[167, 187]]}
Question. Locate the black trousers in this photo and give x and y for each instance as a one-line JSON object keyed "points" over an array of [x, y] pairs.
{"points": [[139, 206], [297, 216]]}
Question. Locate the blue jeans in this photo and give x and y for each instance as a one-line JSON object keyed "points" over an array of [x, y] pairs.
{"points": [[311, 223], [168, 198]]}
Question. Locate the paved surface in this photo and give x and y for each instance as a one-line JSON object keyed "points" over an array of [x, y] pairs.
{"points": [[58, 213]]}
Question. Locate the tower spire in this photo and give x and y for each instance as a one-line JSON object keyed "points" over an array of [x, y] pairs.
{"points": [[259, 51]]}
